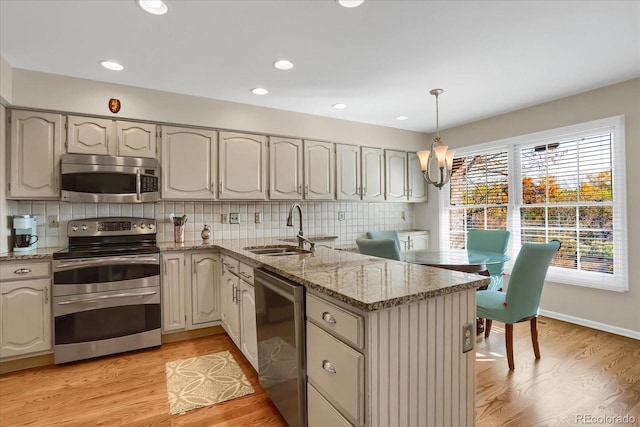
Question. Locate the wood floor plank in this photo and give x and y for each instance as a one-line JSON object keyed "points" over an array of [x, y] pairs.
{"points": [[582, 371]]}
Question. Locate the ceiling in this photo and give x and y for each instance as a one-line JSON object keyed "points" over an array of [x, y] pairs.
{"points": [[381, 59]]}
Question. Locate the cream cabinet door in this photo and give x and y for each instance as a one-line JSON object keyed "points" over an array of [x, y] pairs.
{"points": [[242, 166], [396, 173], [205, 288], [319, 170], [188, 159], [348, 172], [372, 174], [248, 334], [36, 143], [173, 292], [25, 317], [89, 135], [229, 306], [285, 169], [417, 185], [136, 139]]}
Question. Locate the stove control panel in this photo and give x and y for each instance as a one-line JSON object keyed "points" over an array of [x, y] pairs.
{"points": [[111, 226]]}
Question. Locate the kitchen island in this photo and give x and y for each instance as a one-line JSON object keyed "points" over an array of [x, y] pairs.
{"points": [[399, 335]]}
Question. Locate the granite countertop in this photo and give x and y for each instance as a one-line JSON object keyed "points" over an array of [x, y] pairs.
{"points": [[364, 282]]}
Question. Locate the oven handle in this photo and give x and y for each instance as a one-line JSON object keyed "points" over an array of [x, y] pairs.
{"points": [[105, 261], [105, 297], [138, 184]]}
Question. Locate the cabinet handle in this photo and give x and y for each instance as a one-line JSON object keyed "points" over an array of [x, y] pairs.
{"points": [[299, 188], [243, 274], [23, 271], [306, 190], [328, 366], [213, 187], [328, 317], [237, 294], [194, 267], [364, 191], [220, 188], [229, 266], [233, 293], [46, 295]]}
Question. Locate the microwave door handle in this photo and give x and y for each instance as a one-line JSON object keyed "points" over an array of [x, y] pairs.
{"points": [[138, 184]]}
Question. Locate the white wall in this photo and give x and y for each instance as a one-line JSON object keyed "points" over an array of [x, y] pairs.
{"points": [[617, 310], [6, 81]]}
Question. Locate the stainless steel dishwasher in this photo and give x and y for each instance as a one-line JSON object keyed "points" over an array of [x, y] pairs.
{"points": [[280, 318]]}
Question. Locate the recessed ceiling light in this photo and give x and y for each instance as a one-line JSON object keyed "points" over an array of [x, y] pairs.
{"points": [[339, 106], [402, 118], [111, 65], [155, 7], [350, 3], [283, 64], [259, 91]]}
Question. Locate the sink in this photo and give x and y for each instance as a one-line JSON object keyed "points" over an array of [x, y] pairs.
{"points": [[276, 250]]}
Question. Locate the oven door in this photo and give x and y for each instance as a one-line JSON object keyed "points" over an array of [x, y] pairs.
{"points": [[101, 323], [110, 273]]}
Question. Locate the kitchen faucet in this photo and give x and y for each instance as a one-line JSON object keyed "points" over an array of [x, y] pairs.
{"points": [[300, 235]]}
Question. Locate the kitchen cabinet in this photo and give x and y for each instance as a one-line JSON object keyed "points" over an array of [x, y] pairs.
{"points": [[242, 166], [414, 240], [25, 308], [238, 307], [319, 170], [373, 174], [190, 290], [396, 175], [35, 149], [188, 159], [92, 135], [285, 169], [348, 182], [417, 186]]}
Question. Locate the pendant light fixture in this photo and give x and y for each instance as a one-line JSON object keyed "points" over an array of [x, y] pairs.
{"points": [[438, 153]]}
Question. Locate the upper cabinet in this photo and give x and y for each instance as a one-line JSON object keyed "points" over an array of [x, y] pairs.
{"points": [[285, 169], [242, 166], [188, 159], [90, 135], [348, 183], [396, 167], [36, 145], [319, 170], [416, 184], [373, 175]]}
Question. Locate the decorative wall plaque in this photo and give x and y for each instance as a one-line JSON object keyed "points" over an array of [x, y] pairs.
{"points": [[114, 105]]}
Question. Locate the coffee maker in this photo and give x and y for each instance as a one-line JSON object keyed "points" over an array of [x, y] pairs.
{"points": [[25, 229]]}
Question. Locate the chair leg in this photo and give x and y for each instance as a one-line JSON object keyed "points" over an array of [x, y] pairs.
{"points": [[534, 336], [509, 339], [487, 327]]}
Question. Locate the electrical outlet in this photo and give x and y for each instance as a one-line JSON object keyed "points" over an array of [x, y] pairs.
{"points": [[258, 217], [52, 221], [234, 218], [341, 216], [402, 215], [467, 337], [224, 218]]}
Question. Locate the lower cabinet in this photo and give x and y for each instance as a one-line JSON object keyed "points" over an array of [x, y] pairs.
{"points": [[25, 308], [190, 290], [238, 307]]}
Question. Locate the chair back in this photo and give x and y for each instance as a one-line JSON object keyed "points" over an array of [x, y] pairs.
{"points": [[389, 234], [490, 241], [384, 248], [527, 277]]}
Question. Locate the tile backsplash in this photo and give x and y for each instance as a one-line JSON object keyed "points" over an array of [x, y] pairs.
{"points": [[320, 218]]}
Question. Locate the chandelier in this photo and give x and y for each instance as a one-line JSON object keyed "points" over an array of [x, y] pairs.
{"points": [[438, 153]]}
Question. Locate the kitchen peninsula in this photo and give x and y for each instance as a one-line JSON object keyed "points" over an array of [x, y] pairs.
{"points": [[401, 346]]}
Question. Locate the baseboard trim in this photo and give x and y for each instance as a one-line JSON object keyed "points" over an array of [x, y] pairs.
{"points": [[26, 363], [191, 334], [591, 324]]}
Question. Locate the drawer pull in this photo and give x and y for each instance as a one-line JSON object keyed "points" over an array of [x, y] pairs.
{"points": [[23, 271], [328, 366], [229, 266], [328, 317], [243, 274]]}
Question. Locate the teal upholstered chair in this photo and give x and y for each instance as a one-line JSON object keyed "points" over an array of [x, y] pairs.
{"points": [[490, 241], [521, 302], [390, 234], [384, 248]]}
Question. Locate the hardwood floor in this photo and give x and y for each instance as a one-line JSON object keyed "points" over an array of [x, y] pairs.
{"points": [[582, 371]]}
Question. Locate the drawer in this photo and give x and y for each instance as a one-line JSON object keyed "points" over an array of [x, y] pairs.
{"points": [[337, 371], [246, 272], [321, 413], [231, 264], [343, 324], [23, 270]]}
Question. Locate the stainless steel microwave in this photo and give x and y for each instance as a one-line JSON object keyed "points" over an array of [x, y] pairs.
{"points": [[109, 179]]}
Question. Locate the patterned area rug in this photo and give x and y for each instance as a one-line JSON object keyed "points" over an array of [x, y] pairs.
{"points": [[205, 380]]}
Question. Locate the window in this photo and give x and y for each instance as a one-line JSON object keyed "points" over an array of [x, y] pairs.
{"points": [[566, 184]]}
